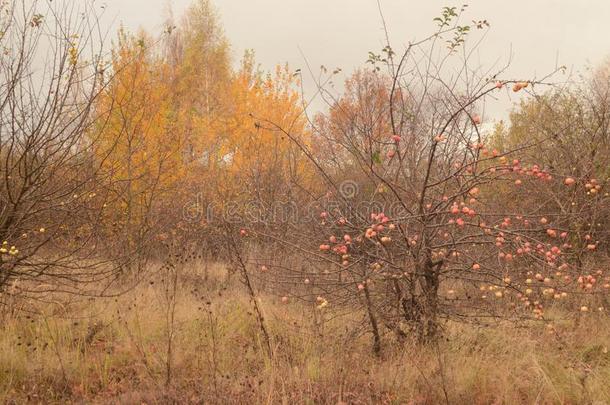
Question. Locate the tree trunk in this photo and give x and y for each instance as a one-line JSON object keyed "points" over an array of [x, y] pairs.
{"points": [[373, 321], [429, 282]]}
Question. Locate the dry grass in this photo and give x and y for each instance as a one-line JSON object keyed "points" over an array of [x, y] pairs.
{"points": [[115, 351]]}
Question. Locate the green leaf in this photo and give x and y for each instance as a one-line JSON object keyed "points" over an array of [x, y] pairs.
{"points": [[377, 157]]}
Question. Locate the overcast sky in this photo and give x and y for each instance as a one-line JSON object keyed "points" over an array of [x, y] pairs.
{"points": [[538, 34]]}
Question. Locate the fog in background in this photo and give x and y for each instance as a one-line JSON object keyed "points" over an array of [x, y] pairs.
{"points": [[536, 35]]}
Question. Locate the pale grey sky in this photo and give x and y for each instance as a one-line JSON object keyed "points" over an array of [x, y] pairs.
{"points": [[339, 33]]}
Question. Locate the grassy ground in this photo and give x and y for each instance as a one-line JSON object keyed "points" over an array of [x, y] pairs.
{"points": [[116, 351]]}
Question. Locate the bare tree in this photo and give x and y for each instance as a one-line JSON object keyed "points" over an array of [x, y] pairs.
{"points": [[52, 189], [407, 228]]}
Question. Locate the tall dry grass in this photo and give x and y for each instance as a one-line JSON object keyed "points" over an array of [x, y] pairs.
{"points": [[115, 351]]}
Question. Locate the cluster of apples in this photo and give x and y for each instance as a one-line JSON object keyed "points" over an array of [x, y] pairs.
{"points": [[551, 287], [379, 223], [378, 232], [520, 86], [12, 251], [586, 283], [533, 171], [590, 281], [462, 208], [592, 186], [498, 291], [394, 141], [338, 245]]}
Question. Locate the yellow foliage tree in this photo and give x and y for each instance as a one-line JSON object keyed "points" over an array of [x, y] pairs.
{"points": [[138, 144], [181, 123], [254, 157]]}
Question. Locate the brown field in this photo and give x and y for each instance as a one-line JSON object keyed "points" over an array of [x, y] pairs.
{"points": [[116, 351]]}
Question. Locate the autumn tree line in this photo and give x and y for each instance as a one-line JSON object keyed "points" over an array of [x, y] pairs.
{"points": [[104, 146], [396, 203]]}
